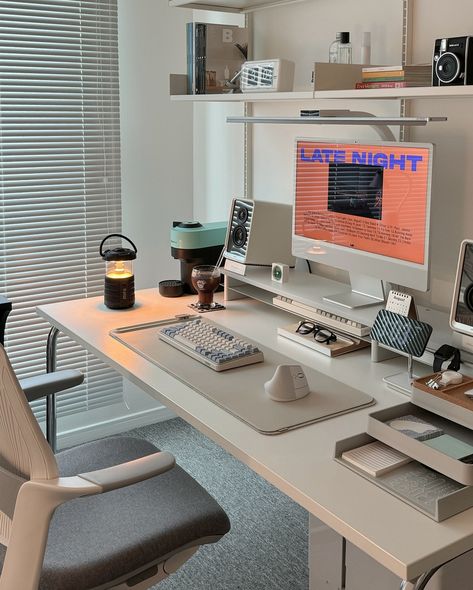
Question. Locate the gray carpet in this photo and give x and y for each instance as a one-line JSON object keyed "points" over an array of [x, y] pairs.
{"points": [[267, 546]]}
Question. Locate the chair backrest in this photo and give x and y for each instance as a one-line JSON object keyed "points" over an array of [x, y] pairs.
{"points": [[24, 451]]}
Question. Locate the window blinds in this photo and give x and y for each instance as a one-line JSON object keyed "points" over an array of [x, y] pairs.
{"points": [[59, 175]]}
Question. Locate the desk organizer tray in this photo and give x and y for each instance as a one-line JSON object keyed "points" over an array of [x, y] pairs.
{"points": [[240, 391], [420, 451], [450, 401], [342, 345], [426, 490]]}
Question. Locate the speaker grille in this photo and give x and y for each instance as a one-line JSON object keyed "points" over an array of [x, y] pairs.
{"points": [[242, 215]]}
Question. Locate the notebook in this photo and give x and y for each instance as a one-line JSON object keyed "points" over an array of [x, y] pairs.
{"points": [[376, 458]]}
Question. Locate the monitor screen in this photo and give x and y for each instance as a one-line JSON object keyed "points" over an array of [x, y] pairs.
{"points": [[364, 207]]}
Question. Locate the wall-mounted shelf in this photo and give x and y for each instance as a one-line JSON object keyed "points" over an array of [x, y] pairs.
{"points": [[239, 6], [372, 93], [254, 97], [403, 93]]}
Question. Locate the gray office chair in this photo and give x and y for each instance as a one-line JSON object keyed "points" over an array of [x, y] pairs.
{"points": [[114, 513]]}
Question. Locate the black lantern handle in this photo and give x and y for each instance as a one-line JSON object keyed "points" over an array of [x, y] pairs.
{"points": [[116, 236]]}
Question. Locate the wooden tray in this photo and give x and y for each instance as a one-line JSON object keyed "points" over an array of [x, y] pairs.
{"points": [[450, 401]]}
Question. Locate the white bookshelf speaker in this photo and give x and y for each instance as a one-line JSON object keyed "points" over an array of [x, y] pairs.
{"points": [[259, 232]]}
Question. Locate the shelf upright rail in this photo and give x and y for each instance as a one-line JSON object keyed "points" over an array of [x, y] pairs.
{"points": [[406, 58]]}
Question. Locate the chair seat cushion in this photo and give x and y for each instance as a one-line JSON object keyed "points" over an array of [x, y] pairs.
{"points": [[98, 539]]}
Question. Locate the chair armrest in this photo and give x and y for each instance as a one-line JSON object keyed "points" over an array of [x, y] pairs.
{"points": [[132, 472], [64, 489], [49, 383]]}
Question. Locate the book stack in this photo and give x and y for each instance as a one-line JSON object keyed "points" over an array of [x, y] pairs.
{"points": [[396, 76]]}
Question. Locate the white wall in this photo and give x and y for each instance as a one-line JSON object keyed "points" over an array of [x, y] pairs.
{"points": [[156, 134], [157, 163]]}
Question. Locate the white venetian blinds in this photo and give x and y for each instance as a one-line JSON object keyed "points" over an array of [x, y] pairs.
{"points": [[59, 174]]}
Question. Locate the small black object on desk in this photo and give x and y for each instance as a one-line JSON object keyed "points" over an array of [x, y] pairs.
{"points": [[171, 288], [444, 353]]}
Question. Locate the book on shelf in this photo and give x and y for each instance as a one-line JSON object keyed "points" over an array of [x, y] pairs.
{"points": [[215, 53], [391, 84], [415, 75], [421, 81], [408, 68], [384, 75]]}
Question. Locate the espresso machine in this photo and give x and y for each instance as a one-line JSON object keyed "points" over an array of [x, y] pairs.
{"points": [[195, 243]]}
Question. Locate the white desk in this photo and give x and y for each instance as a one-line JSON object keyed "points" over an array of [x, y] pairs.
{"points": [[300, 462]]}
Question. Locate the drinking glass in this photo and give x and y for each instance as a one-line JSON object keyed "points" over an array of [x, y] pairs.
{"points": [[205, 279]]}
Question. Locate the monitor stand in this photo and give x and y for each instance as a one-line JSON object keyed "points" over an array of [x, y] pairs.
{"points": [[365, 291]]}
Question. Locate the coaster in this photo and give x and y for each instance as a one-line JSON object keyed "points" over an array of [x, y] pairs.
{"points": [[217, 307]]}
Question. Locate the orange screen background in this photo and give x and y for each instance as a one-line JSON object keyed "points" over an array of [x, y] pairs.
{"points": [[400, 233]]}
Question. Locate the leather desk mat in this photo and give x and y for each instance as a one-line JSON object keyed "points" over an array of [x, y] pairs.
{"points": [[240, 391]]}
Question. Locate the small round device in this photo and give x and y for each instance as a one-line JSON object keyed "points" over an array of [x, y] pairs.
{"points": [[171, 288], [279, 272]]}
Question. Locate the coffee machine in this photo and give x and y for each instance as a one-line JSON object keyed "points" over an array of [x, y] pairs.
{"points": [[195, 243]]}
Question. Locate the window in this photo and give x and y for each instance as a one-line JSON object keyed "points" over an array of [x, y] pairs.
{"points": [[59, 175]]}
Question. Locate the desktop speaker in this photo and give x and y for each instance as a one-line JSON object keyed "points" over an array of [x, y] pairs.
{"points": [[461, 312], [259, 233]]}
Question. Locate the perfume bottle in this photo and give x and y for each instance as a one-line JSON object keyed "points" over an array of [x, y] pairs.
{"points": [[344, 49], [333, 50]]}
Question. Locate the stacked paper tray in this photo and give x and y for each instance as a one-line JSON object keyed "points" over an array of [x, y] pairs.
{"points": [[424, 453], [445, 497]]}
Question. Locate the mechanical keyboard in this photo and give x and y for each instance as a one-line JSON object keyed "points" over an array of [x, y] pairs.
{"points": [[325, 318], [210, 344]]}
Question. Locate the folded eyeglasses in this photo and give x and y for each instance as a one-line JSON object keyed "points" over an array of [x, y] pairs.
{"points": [[321, 334]]}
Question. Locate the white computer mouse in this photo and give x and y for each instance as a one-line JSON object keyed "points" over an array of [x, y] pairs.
{"points": [[288, 384]]}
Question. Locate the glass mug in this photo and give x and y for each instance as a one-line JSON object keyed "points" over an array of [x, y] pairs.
{"points": [[205, 280]]}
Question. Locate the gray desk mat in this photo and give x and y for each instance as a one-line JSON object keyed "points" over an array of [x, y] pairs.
{"points": [[241, 391]]}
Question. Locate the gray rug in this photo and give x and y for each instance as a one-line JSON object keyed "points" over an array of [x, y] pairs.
{"points": [[266, 548]]}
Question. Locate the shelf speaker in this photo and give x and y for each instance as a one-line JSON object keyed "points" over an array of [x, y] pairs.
{"points": [[259, 233]]}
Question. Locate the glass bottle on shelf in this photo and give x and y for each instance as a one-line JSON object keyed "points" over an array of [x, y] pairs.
{"points": [[333, 50], [344, 49], [366, 49]]}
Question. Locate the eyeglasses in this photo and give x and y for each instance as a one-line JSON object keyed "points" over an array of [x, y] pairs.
{"points": [[321, 334]]}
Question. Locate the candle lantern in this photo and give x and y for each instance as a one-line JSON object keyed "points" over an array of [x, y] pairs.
{"points": [[119, 291]]}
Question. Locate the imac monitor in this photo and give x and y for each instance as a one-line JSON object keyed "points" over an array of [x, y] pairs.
{"points": [[364, 208]]}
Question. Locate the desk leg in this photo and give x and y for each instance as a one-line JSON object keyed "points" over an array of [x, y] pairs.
{"points": [[51, 418], [326, 557], [422, 581]]}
